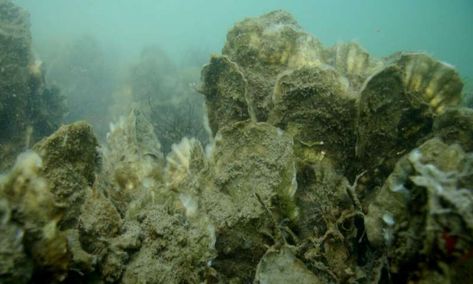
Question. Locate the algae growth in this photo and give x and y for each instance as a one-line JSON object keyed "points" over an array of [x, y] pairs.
{"points": [[325, 165]]}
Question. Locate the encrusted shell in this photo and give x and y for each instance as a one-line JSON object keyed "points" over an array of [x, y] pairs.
{"points": [[184, 161], [225, 89], [437, 82], [272, 39], [353, 62], [313, 105]]}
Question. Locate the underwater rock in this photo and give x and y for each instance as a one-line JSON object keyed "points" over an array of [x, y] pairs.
{"points": [[424, 211], [70, 162], [281, 266], [313, 105], [266, 46], [225, 90], [29, 109]]}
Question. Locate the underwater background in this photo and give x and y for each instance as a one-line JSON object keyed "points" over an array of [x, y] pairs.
{"points": [[443, 29], [236, 141]]}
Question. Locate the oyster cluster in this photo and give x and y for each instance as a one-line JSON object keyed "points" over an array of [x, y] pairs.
{"points": [[29, 108], [356, 122], [326, 165]]}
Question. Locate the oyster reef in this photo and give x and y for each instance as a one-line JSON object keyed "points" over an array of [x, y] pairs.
{"points": [[323, 164]]}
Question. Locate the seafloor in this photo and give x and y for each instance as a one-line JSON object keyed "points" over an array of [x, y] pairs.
{"points": [[325, 165]]}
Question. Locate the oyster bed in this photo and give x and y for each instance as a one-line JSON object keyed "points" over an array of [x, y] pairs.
{"points": [[326, 165]]}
